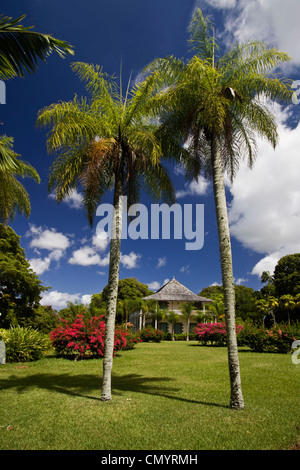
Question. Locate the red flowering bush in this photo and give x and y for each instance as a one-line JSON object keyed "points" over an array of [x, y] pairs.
{"points": [[213, 334], [277, 339], [85, 338], [150, 334]]}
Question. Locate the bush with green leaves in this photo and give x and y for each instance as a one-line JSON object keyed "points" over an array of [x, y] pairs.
{"points": [[150, 334], [24, 344], [278, 339]]}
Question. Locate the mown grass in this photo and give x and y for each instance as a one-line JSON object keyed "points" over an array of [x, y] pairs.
{"points": [[167, 396]]}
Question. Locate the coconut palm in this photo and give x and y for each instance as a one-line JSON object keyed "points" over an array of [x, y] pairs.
{"points": [[107, 142], [216, 106], [13, 196], [187, 310], [20, 47], [172, 317]]}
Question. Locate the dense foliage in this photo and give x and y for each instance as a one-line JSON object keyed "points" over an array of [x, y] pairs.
{"points": [[85, 338], [20, 287], [278, 339], [213, 334], [24, 344], [150, 334]]}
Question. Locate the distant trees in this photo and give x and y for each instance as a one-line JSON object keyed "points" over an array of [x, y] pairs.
{"points": [[20, 287]]}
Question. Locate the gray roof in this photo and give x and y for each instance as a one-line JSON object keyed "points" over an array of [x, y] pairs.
{"points": [[174, 290]]}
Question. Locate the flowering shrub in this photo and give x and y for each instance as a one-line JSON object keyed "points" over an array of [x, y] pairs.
{"points": [[277, 339], [213, 334], [150, 334], [85, 338]]}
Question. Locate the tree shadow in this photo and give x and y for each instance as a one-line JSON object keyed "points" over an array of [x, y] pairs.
{"points": [[84, 385]]}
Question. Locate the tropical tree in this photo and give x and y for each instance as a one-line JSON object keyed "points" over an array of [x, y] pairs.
{"points": [[172, 317], [107, 142], [21, 47], [20, 287], [187, 310], [216, 106], [13, 196]]}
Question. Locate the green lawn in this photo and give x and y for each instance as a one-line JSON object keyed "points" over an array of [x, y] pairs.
{"points": [[167, 396]]}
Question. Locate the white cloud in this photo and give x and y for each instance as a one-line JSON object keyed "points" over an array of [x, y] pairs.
{"points": [[47, 239], [87, 256], [100, 241], [272, 21], [161, 262], [265, 211], [155, 285], [221, 3], [50, 240], [195, 187], [39, 265], [130, 261], [74, 200], [59, 300]]}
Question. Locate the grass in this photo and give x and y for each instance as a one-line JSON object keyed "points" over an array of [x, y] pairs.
{"points": [[167, 396]]}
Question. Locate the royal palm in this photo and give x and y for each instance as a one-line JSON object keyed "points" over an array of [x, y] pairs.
{"points": [[107, 142], [216, 105]]}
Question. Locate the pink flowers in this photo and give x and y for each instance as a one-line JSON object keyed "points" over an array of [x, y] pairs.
{"points": [[85, 338]]}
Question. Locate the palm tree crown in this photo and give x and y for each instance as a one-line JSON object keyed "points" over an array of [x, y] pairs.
{"points": [[215, 107]]}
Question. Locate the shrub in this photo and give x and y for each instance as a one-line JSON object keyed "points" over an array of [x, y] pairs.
{"points": [[24, 344], [213, 334], [150, 334], [277, 339], [85, 338]]}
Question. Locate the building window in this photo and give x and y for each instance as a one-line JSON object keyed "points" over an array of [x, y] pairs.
{"points": [[163, 326]]}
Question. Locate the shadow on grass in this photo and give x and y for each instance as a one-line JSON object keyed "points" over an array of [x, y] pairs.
{"points": [[82, 386]]}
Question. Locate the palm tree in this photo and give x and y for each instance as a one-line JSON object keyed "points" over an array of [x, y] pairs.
{"points": [[213, 104], [187, 310], [172, 317], [20, 47], [13, 196], [107, 142]]}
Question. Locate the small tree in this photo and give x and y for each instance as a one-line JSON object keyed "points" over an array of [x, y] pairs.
{"points": [[187, 312], [172, 318]]}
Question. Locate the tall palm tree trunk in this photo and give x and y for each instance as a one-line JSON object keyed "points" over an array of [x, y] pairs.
{"points": [[113, 281], [236, 398]]}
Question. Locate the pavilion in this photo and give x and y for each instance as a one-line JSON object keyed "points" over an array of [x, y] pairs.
{"points": [[171, 296]]}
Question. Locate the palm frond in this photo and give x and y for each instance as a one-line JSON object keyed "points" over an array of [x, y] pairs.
{"points": [[20, 47]]}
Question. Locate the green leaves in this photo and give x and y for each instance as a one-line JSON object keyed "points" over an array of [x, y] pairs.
{"points": [[13, 196], [20, 48], [106, 137]]}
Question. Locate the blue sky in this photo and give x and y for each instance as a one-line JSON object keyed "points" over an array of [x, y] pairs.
{"points": [[264, 204]]}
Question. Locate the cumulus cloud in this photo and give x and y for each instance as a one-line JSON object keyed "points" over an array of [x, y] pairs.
{"points": [[130, 261], [87, 256], [155, 285], [265, 211], [43, 238], [59, 300], [272, 21], [74, 200], [198, 188]]}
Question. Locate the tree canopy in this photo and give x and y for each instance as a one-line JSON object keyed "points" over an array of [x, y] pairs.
{"points": [[20, 287]]}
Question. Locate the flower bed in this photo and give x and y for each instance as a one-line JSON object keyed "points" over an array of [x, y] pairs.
{"points": [[277, 339], [213, 334], [85, 338]]}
